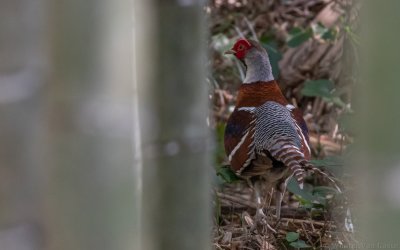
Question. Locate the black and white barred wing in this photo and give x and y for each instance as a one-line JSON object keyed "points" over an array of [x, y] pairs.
{"points": [[276, 132]]}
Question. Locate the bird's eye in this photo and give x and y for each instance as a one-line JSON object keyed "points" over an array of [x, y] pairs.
{"points": [[241, 47]]}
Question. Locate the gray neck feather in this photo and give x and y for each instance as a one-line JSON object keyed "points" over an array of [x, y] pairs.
{"points": [[258, 67]]}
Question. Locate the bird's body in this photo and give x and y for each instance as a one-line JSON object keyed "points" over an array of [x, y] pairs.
{"points": [[265, 124], [266, 138]]}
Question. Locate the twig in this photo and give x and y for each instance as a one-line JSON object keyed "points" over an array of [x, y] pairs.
{"points": [[236, 200], [288, 213], [308, 236], [311, 222]]}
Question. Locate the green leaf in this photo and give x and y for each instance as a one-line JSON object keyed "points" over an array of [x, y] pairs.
{"points": [[331, 161], [267, 37], [294, 187], [324, 190], [323, 32], [307, 199], [299, 244], [336, 100], [334, 164], [319, 88], [323, 88], [292, 236], [227, 174], [319, 29], [329, 35], [297, 36]]}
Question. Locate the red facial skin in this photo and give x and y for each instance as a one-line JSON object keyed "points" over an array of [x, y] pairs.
{"points": [[240, 48]]}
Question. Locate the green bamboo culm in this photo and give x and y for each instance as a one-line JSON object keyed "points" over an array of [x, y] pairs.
{"points": [[173, 104], [378, 163]]}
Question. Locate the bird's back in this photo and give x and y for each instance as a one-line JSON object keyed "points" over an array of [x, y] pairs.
{"points": [[264, 126]]}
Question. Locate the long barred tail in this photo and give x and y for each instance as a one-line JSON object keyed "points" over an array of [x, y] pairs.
{"points": [[298, 171], [284, 151], [309, 167], [292, 158]]}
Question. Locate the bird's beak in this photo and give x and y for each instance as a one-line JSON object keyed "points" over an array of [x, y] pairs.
{"points": [[230, 52]]}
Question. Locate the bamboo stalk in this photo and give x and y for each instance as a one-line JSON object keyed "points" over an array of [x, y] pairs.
{"points": [[173, 105]]}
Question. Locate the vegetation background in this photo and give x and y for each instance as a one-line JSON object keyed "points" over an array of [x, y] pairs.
{"points": [[312, 46]]}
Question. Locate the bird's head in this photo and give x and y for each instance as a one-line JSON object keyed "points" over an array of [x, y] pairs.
{"points": [[244, 47], [255, 59], [240, 48]]}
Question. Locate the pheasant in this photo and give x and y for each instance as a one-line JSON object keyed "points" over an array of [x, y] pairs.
{"points": [[266, 138]]}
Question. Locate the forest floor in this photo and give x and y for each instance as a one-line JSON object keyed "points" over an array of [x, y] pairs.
{"points": [[312, 46]]}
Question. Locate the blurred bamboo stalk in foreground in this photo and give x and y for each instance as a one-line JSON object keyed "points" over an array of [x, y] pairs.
{"points": [[379, 162], [87, 137], [23, 74], [173, 105], [70, 150]]}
